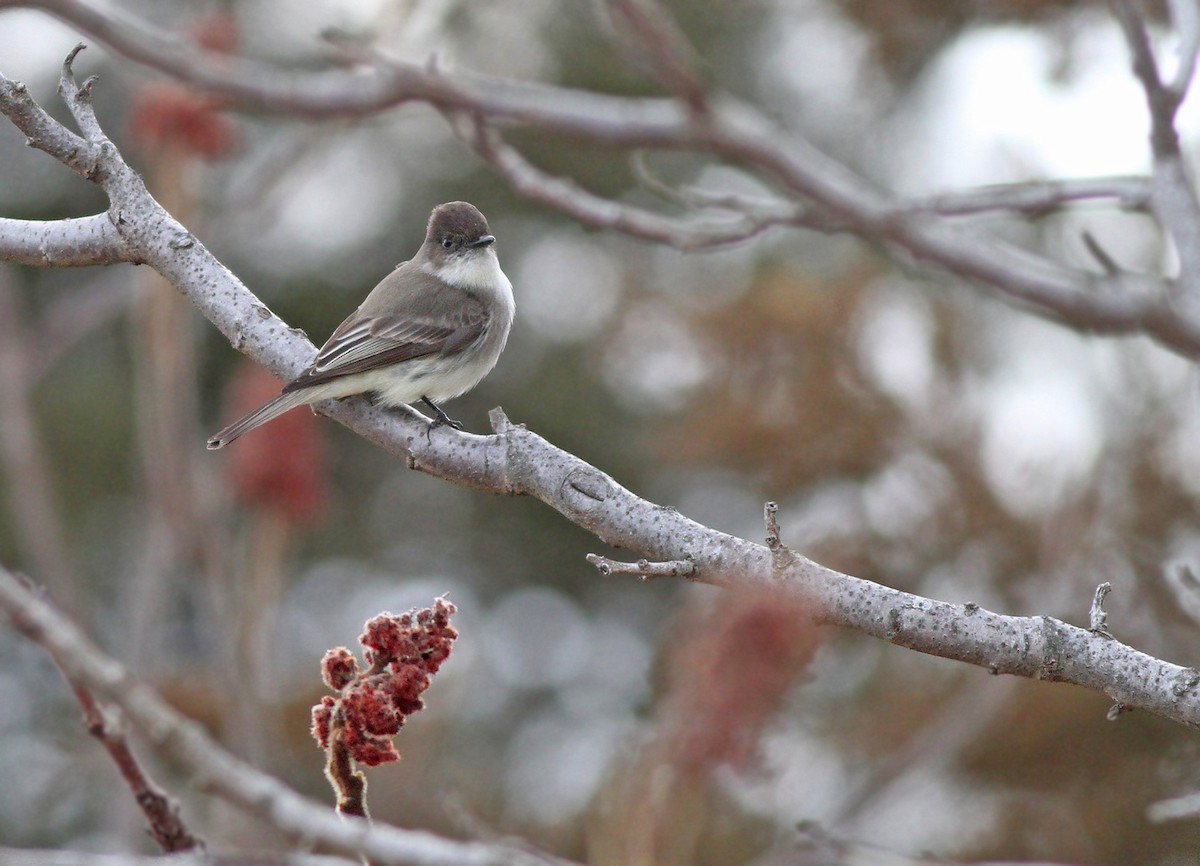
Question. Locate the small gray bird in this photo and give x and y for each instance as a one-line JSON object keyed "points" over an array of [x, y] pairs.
{"points": [[430, 331]]}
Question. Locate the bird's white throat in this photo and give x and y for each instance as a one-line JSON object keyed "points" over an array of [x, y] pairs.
{"points": [[478, 270]]}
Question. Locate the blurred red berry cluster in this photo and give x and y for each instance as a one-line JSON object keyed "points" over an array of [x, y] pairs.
{"points": [[286, 471], [167, 117], [171, 118], [404, 652], [730, 669]]}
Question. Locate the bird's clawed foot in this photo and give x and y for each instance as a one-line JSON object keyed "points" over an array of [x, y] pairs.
{"points": [[440, 418]]}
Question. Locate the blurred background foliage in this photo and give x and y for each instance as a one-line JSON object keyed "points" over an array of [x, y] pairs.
{"points": [[914, 431]]}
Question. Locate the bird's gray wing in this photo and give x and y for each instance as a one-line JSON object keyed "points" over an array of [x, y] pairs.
{"points": [[365, 342]]}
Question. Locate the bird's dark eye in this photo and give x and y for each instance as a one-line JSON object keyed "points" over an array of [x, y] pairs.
{"points": [[447, 242]]}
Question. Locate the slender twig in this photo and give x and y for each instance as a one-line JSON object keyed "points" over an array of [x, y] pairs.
{"points": [[164, 823], [1185, 15], [599, 212], [1039, 197], [698, 197], [1097, 616], [1028, 198], [149, 234], [643, 568], [1163, 101], [1107, 262], [78, 99], [45, 133], [349, 782], [781, 557], [653, 40], [771, 518], [1174, 196]]}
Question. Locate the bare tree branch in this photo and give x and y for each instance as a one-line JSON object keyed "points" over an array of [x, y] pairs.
{"points": [[598, 212], [1163, 101], [45, 133], [219, 772], [149, 234], [336, 93], [1029, 198], [1098, 616], [1037, 198], [1174, 195], [67, 243], [731, 130], [654, 41], [164, 823], [1185, 15], [643, 568], [161, 811], [36, 857]]}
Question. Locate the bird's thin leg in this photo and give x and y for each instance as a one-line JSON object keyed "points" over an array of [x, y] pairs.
{"points": [[440, 417]]}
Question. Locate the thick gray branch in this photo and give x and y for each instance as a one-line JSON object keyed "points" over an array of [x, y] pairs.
{"points": [[521, 462], [67, 243]]}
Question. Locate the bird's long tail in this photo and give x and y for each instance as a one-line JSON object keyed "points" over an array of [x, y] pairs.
{"points": [[264, 413]]}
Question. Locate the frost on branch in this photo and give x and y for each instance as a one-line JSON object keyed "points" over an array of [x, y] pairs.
{"points": [[402, 652]]}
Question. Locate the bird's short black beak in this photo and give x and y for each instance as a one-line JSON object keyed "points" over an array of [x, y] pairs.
{"points": [[484, 241]]}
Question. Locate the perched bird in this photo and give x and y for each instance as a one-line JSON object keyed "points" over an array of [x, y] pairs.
{"points": [[430, 331]]}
